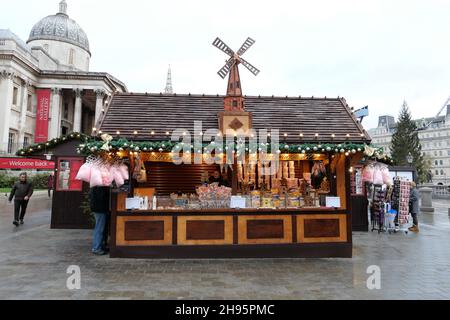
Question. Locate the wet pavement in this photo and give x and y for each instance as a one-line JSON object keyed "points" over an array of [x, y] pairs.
{"points": [[34, 262]]}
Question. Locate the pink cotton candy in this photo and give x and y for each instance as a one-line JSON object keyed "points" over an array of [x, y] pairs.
{"points": [[377, 176], [386, 176], [368, 173], [117, 175], [84, 174], [124, 171], [107, 178], [96, 177]]}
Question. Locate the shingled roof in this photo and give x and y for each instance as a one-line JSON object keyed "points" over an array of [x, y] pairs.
{"points": [[161, 113]]}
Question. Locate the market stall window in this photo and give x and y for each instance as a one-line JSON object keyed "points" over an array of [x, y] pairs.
{"points": [[67, 171]]}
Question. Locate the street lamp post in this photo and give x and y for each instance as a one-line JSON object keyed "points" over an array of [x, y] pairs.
{"points": [[410, 159]]}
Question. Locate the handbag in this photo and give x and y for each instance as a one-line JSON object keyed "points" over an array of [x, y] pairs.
{"points": [[142, 176]]}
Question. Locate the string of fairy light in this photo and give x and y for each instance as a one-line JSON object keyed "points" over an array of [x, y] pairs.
{"points": [[239, 146]]}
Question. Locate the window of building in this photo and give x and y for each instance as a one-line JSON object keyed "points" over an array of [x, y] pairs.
{"points": [[437, 172], [26, 141], [441, 162], [448, 152], [30, 103], [435, 153], [435, 162], [66, 111], [11, 142], [71, 56], [15, 96], [442, 172]]}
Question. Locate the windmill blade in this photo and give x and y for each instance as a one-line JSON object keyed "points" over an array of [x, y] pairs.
{"points": [[223, 47], [226, 69], [247, 44], [252, 69]]}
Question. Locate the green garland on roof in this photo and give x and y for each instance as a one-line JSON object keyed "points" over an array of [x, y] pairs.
{"points": [[95, 147], [32, 149]]}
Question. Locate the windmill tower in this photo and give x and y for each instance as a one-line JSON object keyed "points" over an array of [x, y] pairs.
{"points": [[234, 118], [169, 87], [234, 100]]}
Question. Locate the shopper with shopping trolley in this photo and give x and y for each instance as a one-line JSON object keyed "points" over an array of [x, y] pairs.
{"points": [[414, 207]]}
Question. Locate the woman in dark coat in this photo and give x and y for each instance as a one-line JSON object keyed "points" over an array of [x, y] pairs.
{"points": [[414, 207]]}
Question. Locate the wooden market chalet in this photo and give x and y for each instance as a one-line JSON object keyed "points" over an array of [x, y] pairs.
{"points": [[311, 130]]}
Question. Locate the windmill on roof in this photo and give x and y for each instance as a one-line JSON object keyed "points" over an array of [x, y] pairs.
{"points": [[234, 100]]}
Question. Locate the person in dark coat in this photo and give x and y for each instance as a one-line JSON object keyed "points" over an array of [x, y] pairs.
{"points": [[217, 178], [414, 207], [99, 200], [21, 192]]}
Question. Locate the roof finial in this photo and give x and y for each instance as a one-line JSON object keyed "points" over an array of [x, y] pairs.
{"points": [[169, 88], [63, 7]]}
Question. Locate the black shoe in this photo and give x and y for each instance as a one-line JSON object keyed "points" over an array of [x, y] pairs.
{"points": [[99, 253], [16, 223], [21, 221]]}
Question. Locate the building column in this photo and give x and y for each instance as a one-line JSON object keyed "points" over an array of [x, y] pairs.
{"points": [[23, 112], [6, 92], [78, 110], [99, 104], [55, 115]]}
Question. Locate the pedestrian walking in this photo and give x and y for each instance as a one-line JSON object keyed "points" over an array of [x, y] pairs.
{"points": [[50, 184], [99, 199], [21, 192], [414, 207]]}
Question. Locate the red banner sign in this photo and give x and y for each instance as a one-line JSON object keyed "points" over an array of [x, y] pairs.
{"points": [[42, 114], [25, 164]]}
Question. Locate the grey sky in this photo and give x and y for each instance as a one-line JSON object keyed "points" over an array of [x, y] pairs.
{"points": [[374, 53]]}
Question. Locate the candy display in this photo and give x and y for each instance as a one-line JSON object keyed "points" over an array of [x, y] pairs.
{"points": [[213, 196], [377, 208]]}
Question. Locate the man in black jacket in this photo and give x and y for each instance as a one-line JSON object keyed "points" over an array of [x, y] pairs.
{"points": [[99, 198], [21, 192]]}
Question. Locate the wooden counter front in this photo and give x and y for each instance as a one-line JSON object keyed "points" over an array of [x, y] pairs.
{"points": [[230, 233]]}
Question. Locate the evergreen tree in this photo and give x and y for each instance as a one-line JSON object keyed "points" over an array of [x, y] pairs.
{"points": [[406, 141]]}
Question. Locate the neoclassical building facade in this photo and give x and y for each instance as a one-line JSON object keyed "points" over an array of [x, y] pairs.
{"points": [[46, 88]]}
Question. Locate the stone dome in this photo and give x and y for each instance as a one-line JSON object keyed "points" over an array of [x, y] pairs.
{"points": [[60, 27]]}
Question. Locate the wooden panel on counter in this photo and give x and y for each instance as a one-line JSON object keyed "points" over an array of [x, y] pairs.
{"points": [[121, 201], [144, 231], [322, 228], [205, 230], [264, 229]]}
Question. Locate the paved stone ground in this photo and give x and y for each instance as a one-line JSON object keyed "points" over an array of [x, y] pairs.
{"points": [[34, 260]]}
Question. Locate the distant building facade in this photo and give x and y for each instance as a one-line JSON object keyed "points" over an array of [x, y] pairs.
{"points": [[434, 137], [55, 62]]}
